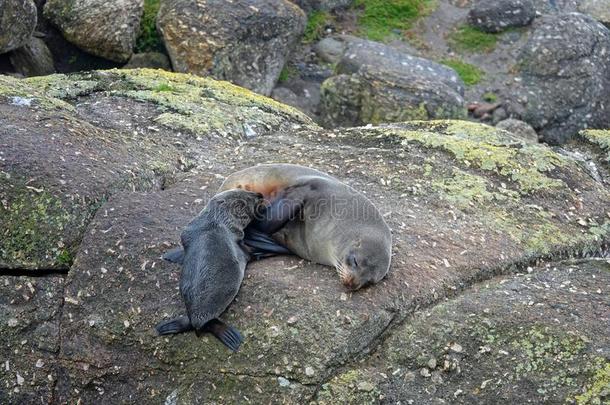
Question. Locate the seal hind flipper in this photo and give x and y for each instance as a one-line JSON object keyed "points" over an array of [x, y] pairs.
{"points": [[227, 334], [174, 256], [262, 245], [175, 325]]}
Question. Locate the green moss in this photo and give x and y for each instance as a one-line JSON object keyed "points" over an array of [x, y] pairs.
{"points": [[470, 74], [287, 73], [149, 40], [490, 97], [597, 390], [598, 137], [380, 18], [471, 39], [464, 189], [526, 165], [164, 87], [32, 225], [316, 24]]}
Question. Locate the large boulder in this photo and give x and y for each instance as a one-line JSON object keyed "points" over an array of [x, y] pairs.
{"points": [[33, 59], [102, 28], [245, 42], [565, 77], [112, 165], [376, 83], [498, 15], [598, 9], [17, 22]]}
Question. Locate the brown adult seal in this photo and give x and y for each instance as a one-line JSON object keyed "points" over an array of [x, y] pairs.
{"points": [[213, 260], [318, 218]]}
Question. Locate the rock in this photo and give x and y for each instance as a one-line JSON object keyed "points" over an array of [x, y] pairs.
{"points": [[565, 76], [17, 22], [498, 15], [376, 83], [519, 128], [598, 9], [330, 49], [548, 336], [102, 28], [499, 114], [113, 175], [246, 43], [152, 60], [33, 59], [323, 5]]}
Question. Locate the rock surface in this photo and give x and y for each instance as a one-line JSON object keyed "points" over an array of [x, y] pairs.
{"points": [[598, 9], [125, 158], [103, 28], [324, 5], [33, 59], [519, 128], [565, 72], [246, 43], [498, 15], [152, 60], [377, 83], [17, 22]]}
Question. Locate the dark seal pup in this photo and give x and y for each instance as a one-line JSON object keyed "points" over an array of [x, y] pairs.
{"points": [[318, 218], [213, 261]]}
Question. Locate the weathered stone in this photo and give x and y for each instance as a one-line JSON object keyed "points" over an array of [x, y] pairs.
{"points": [[149, 148], [29, 338], [330, 49], [33, 59], [565, 71], [541, 338], [377, 83], [17, 22], [152, 60], [498, 15], [519, 128], [324, 5], [246, 43], [598, 9], [103, 28]]}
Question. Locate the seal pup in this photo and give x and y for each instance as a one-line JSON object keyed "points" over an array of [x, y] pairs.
{"points": [[213, 260], [318, 218]]}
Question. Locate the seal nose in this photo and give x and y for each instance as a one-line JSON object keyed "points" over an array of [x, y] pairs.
{"points": [[350, 282]]}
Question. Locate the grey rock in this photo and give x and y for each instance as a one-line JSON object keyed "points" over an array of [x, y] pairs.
{"points": [[499, 114], [498, 15], [17, 22], [377, 83], [33, 59], [519, 128], [565, 76], [323, 5], [153, 60], [598, 9], [103, 28], [330, 49], [246, 43]]}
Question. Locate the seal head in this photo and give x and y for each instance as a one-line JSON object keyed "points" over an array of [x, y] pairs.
{"points": [[364, 263]]}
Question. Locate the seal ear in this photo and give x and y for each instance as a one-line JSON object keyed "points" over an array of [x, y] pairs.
{"points": [[174, 256]]}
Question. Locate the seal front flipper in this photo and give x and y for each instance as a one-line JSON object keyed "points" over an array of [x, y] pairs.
{"points": [[174, 256], [228, 335], [261, 245], [176, 325], [281, 210]]}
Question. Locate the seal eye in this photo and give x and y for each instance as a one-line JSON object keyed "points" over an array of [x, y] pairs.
{"points": [[351, 260]]}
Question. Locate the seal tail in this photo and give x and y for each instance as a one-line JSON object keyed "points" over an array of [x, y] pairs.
{"points": [[176, 325], [227, 334], [262, 245]]}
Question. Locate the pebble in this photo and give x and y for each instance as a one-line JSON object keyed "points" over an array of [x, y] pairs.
{"points": [[309, 371], [365, 386], [424, 372], [20, 380], [12, 322], [283, 382], [456, 347], [432, 363]]}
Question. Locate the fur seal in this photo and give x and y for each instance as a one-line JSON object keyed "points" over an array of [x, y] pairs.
{"points": [[213, 261], [318, 218]]}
